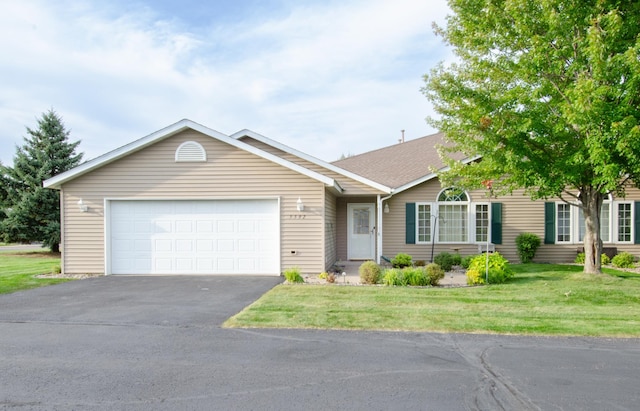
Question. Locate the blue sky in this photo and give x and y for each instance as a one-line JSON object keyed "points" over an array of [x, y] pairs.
{"points": [[325, 77]]}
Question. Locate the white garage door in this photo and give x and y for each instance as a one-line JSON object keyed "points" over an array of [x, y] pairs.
{"points": [[194, 237]]}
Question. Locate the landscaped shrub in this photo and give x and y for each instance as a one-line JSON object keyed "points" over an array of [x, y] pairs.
{"points": [[292, 275], [401, 260], [444, 260], [456, 259], [434, 273], [369, 272], [415, 276], [394, 276], [499, 270], [527, 244], [623, 260], [604, 259], [419, 263]]}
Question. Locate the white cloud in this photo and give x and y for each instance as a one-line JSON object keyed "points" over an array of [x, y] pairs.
{"points": [[326, 80]]}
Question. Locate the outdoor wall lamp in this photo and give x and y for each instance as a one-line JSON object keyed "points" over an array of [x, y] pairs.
{"points": [[386, 208], [83, 207], [299, 204]]}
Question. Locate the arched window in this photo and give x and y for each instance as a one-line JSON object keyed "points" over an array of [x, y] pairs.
{"points": [[453, 215], [190, 151]]}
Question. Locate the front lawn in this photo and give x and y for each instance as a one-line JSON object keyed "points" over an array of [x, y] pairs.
{"points": [[542, 299], [18, 270]]}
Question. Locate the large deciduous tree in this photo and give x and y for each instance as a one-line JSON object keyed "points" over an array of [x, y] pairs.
{"points": [[33, 212], [547, 93]]}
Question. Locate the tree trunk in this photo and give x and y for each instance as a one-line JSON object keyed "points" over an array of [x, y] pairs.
{"points": [[592, 205], [55, 248]]}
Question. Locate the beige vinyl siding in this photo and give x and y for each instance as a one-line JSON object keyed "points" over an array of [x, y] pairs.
{"points": [[519, 214], [350, 186], [330, 230], [228, 173]]}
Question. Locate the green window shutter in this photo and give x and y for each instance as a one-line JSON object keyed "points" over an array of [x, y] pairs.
{"points": [[496, 223], [410, 226], [549, 223], [636, 222]]}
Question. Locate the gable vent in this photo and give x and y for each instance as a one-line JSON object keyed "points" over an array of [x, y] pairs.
{"points": [[190, 151]]}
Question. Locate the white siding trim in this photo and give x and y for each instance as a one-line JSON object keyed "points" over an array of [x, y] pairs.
{"points": [[57, 181]]}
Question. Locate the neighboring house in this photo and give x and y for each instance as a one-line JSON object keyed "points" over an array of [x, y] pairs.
{"points": [[190, 200]]}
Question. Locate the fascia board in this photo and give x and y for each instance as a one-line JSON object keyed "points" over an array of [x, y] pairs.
{"points": [[118, 153], [311, 159], [57, 181]]}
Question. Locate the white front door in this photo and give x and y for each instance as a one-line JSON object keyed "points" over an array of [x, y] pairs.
{"points": [[361, 231]]}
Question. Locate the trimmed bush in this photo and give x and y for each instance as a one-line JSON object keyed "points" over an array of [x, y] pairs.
{"points": [[292, 275], [394, 276], [499, 270], [579, 258], [369, 272], [623, 260], [401, 260], [415, 276], [604, 259], [444, 260], [434, 273], [456, 259], [527, 245]]}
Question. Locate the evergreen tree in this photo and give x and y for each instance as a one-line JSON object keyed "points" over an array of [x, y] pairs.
{"points": [[33, 212]]}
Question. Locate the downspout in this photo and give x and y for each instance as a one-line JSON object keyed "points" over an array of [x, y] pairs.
{"points": [[379, 225]]}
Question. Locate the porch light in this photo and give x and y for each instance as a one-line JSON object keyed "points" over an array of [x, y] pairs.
{"points": [[299, 204], [386, 208], [83, 207]]}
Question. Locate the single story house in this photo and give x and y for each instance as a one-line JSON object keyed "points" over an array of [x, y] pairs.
{"points": [[190, 200]]}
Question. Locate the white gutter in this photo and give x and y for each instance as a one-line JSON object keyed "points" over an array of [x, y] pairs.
{"points": [[379, 226]]}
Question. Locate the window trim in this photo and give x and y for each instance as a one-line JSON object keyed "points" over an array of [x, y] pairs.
{"points": [[471, 219], [614, 227], [418, 204], [616, 222]]}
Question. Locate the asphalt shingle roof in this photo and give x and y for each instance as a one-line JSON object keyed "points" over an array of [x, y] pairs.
{"points": [[399, 164]]}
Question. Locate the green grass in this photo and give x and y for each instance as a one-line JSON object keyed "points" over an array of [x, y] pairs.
{"points": [[542, 299], [18, 270]]}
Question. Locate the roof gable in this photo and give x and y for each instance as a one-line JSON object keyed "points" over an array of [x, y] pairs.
{"points": [[57, 181]]}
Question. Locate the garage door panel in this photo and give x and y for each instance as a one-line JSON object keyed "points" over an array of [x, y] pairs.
{"points": [[194, 237]]}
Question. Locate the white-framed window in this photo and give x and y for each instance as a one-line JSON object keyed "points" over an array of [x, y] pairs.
{"points": [[424, 222], [452, 218], [625, 222], [616, 222], [482, 223], [453, 215], [563, 223]]}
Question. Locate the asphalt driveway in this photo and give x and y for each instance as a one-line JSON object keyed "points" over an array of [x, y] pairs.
{"points": [[139, 343]]}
